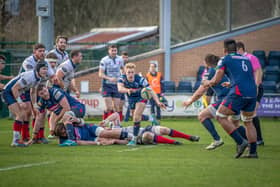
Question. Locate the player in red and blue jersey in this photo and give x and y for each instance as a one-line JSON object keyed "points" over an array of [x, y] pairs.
{"points": [[57, 102], [241, 97], [210, 112], [132, 84], [16, 95]]}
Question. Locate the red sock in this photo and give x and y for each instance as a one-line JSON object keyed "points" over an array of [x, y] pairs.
{"points": [[161, 139], [177, 134], [25, 131], [105, 115], [17, 126], [41, 133], [121, 115]]}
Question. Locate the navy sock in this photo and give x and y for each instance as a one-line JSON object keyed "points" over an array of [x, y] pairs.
{"points": [[136, 128], [242, 131], [237, 137], [256, 123], [253, 148], [208, 124], [70, 131], [123, 135]]}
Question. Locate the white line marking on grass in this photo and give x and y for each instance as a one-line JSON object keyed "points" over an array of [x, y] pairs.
{"points": [[137, 148], [26, 165]]}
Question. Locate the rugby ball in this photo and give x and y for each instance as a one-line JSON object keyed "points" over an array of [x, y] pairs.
{"points": [[146, 93]]}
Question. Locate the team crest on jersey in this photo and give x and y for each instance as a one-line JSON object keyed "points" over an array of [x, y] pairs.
{"points": [[64, 69], [57, 95], [24, 82]]}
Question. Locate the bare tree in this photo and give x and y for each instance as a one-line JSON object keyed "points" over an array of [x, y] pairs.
{"points": [[4, 20]]}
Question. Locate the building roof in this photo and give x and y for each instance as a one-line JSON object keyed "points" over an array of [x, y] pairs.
{"points": [[98, 38]]}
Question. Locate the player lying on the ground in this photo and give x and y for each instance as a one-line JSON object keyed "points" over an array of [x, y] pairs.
{"points": [[73, 131], [148, 135]]}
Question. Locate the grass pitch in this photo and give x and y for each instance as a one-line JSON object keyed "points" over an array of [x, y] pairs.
{"points": [[154, 166]]}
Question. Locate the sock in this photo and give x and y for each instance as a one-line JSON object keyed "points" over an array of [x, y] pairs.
{"points": [[105, 115], [174, 133], [208, 124], [41, 133], [236, 137], [70, 131], [136, 128], [123, 135], [256, 123], [16, 130], [253, 148], [242, 131], [145, 117], [25, 131], [121, 115], [161, 139]]}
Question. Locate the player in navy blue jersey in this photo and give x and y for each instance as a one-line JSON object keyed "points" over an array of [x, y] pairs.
{"points": [[16, 95], [210, 112], [240, 99], [72, 131], [57, 102], [110, 70], [132, 84]]}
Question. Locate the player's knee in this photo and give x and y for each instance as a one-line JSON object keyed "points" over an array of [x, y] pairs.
{"points": [[246, 119], [162, 130], [220, 116], [147, 138], [201, 117]]}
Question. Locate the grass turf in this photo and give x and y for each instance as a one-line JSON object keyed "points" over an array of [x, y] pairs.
{"points": [[161, 165]]}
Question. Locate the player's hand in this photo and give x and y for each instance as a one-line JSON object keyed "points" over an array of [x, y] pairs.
{"points": [[31, 141], [2, 86], [161, 105], [226, 84], [112, 79], [187, 103], [77, 94], [106, 141], [206, 83]]}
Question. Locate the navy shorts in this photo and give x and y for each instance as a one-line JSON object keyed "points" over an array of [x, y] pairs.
{"points": [[122, 96], [260, 93], [238, 103], [79, 110], [110, 90], [132, 102], [9, 99], [217, 104]]}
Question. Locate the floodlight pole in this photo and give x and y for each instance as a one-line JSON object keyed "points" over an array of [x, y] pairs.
{"points": [[165, 35], [45, 12]]}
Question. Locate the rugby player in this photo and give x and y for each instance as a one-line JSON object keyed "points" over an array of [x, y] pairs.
{"points": [[16, 95], [132, 84], [109, 71], [240, 99]]}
